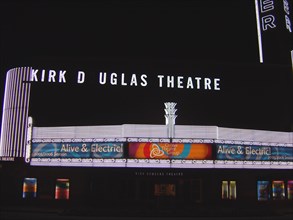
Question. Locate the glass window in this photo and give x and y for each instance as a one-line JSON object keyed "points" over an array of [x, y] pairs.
{"points": [[29, 189], [263, 190], [290, 189], [165, 190], [232, 188], [229, 190], [278, 189], [62, 189], [225, 190], [196, 190]]}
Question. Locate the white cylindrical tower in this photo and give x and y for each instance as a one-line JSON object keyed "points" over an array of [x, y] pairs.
{"points": [[15, 112]]}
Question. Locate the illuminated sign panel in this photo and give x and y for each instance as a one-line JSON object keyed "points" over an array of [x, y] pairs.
{"points": [[62, 189], [253, 153], [274, 30], [29, 189], [278, 189], [77, 150], [282, 153], [263, 190], [290, 189], [170, 151], [149, 150]]}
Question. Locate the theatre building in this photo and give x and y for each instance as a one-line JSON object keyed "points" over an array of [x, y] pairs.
{"points": [[140, 166], [152, 168], [148, 109]]}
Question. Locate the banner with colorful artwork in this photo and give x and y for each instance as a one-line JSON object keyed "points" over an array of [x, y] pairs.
{"points": [[170, 151]]}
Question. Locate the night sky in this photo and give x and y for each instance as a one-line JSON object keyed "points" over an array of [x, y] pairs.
{"points": [[207, 39]]}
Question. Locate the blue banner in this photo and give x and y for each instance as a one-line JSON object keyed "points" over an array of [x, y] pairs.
{"points": [[282, 154], [77, 150], [253, 153], [230, 152], [257, 153]]}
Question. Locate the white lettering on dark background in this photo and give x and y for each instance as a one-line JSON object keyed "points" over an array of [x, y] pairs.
{"points": [[131, 80]]}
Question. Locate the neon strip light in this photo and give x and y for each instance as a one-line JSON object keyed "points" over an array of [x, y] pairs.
{"points": [[16, 106], [260, 50], [4, 115], [13, 115], [292, 59], [26, 99], [142, 163]]}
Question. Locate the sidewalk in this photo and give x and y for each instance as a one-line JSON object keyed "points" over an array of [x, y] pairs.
{"points": [[92, 212]]}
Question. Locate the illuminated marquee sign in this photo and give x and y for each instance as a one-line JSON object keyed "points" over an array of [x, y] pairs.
{"points": [[126, 79], [261, 153], [77, 150], [268, 14], [274, 23], [170, 151]]}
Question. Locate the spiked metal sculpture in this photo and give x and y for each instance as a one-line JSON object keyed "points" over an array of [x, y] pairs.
{"points": [[170, 118]]}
